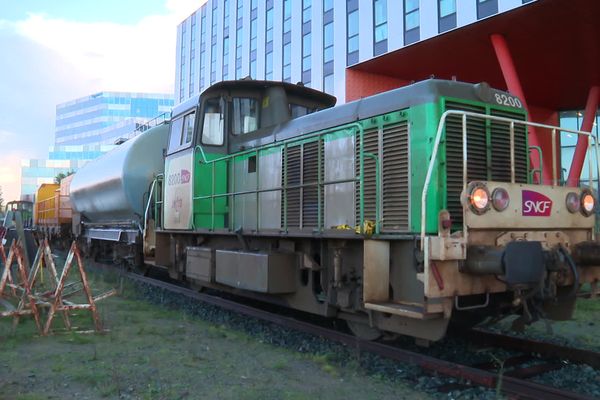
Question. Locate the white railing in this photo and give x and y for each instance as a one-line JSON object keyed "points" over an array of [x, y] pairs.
{"points": [[512, 123]]}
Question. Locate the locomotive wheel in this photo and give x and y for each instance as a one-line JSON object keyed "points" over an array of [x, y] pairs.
{"points": [[364, 331]]}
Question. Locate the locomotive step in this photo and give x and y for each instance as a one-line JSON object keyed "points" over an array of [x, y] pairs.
{"points": [[404, 310]]}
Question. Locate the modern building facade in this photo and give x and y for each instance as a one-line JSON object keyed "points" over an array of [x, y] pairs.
{"points": [[90, 126], [309, 41], [104, 117]]}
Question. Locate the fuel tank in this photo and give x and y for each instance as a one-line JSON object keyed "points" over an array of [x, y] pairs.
{"points": [[113, 188]]}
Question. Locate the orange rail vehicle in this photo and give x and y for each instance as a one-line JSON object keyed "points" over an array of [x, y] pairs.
{"points": [[52, 212]]}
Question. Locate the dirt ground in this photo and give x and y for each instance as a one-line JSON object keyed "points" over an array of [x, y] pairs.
{"points": [[151, 352]]}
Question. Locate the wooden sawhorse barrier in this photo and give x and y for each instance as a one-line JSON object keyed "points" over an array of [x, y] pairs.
{"points": [[30, 302]]}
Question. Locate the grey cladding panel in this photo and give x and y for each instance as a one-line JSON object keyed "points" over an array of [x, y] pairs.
{"points": [[200, 264], [259, 272], [339, 198]]}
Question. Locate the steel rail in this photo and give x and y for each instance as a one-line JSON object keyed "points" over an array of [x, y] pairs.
{"points": [[520, 388], [575, 355]]}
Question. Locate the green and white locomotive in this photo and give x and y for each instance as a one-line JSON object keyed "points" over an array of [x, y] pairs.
{"points": [[396, 212]]}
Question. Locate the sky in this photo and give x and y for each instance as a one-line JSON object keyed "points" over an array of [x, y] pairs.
{"points": [[53, 51]]}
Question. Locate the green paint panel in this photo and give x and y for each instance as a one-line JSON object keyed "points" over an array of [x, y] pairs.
{"points": [[424, 121], [205, 185]]}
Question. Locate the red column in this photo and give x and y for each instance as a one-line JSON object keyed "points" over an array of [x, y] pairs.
{"points": [[513, 84], [582, 141]]}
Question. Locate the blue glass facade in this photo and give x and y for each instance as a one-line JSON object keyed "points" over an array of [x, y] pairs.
{"points": [[92, 119], [88, 127]]}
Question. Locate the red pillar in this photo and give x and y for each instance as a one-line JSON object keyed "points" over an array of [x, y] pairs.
{"points": [[513, 84], [582, 141]]}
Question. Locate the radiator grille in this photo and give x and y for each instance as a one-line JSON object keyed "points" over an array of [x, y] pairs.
{"points": [[395, 177], [370, 145], [483, 162], [500, 139], [292, 170], [301, 168], [477, 167], [310, 175]]}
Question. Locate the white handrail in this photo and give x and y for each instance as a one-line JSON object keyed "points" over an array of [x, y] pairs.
{"points": [[511, 122]]}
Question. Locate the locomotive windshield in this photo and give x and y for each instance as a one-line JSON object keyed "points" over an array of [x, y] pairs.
{"points": [[245, 115], [212, 128]]}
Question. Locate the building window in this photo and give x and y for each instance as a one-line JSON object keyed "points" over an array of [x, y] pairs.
{"points": [[411, 21], [306, 41], [352, 22], [225, 69], [239, 39], [380, 28], [328, 84], [182, 62], [328, 46], [287, 41], [213, 45], [192, 54], [447, 15], [202, 47], [253, 37], [485, 8], [269, 40]]}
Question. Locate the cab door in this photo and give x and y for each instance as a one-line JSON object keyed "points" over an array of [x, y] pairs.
{"points": [[211, 209], [179, 169]]}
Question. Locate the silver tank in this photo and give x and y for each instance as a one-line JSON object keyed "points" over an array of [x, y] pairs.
{"points": [[111, 188]]}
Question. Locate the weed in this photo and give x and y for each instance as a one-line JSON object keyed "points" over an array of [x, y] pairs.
{"points": [[280, 364]]}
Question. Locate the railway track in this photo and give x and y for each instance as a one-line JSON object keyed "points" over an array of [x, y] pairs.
{"points": [[516, 386]]}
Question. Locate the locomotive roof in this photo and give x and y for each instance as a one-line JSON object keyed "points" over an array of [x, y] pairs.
{"points": [[296, 90], [418, 93], [422, 92]]}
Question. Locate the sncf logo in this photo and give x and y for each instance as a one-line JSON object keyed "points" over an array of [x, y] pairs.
{"points": [[536, 204], [185, 176]]}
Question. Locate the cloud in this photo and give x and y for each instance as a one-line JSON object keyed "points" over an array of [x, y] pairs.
{"points": [[10, 176], [6, 136], [181, 9], [48, 60], [109, 56]]}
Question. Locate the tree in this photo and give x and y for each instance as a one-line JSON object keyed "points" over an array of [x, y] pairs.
{"points": [[1, 200], [61, 175]]}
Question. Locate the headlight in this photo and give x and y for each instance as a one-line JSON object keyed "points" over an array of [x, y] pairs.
{"points": [[573, 203], [588, 202], [500, 199], [479, 199]]}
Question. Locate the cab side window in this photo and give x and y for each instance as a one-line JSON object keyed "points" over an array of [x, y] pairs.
{"points": [[245, 115], [188, 128], [182, 132], [212, 127]]}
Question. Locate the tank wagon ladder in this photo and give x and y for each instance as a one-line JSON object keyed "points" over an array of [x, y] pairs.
{"points": [[285, 187]]}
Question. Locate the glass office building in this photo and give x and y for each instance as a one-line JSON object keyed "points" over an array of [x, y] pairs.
{"points": [[105, 117], [88, 127], [308, 41]]}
